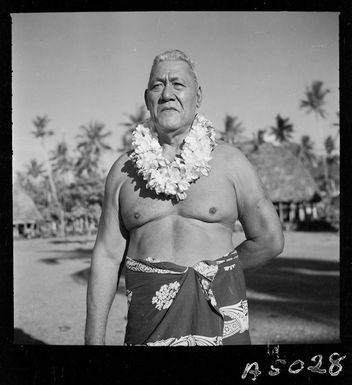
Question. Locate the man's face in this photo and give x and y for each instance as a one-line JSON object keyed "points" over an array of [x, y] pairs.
{"points": [[172, 96]]}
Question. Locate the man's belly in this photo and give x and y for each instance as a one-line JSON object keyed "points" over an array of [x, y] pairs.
{"points": [[184, 241]]}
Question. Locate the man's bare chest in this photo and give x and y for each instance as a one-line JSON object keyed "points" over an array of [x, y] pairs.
{"points": [[210, 199]]}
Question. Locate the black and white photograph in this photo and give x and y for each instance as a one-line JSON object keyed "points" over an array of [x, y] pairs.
{"points": [[176, 178]]}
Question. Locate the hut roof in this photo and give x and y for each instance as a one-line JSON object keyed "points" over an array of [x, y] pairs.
{"points": [[283, 175], [24, 209]]}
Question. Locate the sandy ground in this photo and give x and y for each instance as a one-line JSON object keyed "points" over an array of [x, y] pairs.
{"points": [[292, 299]]}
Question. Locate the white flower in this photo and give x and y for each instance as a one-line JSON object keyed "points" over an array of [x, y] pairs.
{"points": [[170, 188], [183, 185], [164, 296], [173, 178]]}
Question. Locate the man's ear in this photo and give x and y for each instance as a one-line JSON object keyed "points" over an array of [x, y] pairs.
{"points": [[146, 99], [199, 96]]}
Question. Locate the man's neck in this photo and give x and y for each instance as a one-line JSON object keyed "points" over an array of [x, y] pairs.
{"points": [[172, 141], [174, 138]]}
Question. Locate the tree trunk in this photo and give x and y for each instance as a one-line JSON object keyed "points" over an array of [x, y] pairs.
{"points": [[54, 192], [326, 174], [325, 166]]}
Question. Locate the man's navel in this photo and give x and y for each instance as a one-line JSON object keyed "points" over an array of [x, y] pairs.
{"points": [[212, 210]]}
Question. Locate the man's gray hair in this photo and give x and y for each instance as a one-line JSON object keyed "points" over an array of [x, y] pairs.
{"points": [[176, 55]]}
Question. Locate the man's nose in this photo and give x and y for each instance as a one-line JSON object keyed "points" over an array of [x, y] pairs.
{"points": [[167, 93]]}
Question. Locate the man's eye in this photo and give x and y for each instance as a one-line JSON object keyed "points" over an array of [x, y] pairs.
{"points": [[156, 86], [178, 85]]}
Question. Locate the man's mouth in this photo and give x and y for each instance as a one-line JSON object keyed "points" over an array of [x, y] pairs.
{"points": [[169, 109]]}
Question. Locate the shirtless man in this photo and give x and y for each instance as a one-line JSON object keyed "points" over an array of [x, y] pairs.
{"points": [[166, 238]]}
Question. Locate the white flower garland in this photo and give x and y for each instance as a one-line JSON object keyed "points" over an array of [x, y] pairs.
{"points": [[173, 178]]}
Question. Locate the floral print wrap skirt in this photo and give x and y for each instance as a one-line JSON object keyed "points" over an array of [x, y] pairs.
{"points": [[173, 305]]}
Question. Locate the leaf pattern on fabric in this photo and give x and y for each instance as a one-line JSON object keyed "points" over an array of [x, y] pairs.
{"points": [[205, 284], [233, 255], [134, 265], [129, 297], [165, 295], [208, 271], [238, 314], [151, 259], [230, 267], [190, 340]]}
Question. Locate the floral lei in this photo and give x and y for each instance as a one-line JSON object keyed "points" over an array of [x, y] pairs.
{"points": [[173, 178]]}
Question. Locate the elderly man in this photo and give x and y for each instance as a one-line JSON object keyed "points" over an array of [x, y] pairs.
{"points": [[169, 210]]}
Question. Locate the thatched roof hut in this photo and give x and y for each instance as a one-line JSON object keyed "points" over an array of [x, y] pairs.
{"points": [[283, 175], [24, 209]]}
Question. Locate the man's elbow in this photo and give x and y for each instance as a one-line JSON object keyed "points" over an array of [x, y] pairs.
{"points": [[275, 243]]}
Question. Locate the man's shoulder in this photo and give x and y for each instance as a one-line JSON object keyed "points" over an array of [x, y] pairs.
{"points": [[233, 161], [227, 152], [119, 170], [120, 162]]}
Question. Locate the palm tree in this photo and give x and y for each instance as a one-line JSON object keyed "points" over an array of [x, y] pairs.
{"points": [[337, 124], [314, 103], [306, 151], [315, 99], [233, 128], [35, 169], [258, 138], [260, 135], [62, 162], [34, 176], [134, 119], [282, 130], [329, 145], [42, 132], [332, 160], [91, 146]]}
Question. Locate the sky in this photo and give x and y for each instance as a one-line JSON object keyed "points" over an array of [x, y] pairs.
{"points": [[82, 67]]}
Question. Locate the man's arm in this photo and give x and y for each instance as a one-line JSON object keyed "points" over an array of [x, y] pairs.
{"points": [[257, 215], [107, 256]]}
